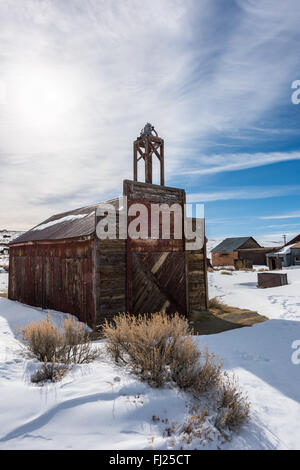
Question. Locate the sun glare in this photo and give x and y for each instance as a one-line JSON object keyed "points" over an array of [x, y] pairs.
{"points": [[42, 97]]}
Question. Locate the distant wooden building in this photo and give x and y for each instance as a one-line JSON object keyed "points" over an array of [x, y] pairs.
{"points": [[62, 265], [288, 255], [228, 250], [294, 240]]}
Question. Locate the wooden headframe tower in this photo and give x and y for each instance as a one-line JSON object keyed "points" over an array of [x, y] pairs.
{"points": [[145, 147]]}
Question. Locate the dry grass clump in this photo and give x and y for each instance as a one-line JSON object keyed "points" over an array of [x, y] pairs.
{"points": [[3, 294], [43, 339], [198, 375], [148, 344], [228, 273], [233, 405], [196, 426], [208, 374], [77, 345], [231, 412], [69, 345], [160, 348], [215, 302], [49, 371]]}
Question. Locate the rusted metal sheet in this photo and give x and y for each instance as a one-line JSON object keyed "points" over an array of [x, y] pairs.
{"points": [[54, 276], [72, 224]]}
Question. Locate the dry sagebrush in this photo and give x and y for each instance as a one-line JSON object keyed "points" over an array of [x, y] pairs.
{"points": [[160, 348], [147, 344], [69, 345], [49, 371], [233, 405]]}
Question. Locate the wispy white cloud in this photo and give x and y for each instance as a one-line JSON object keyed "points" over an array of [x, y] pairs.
{"points": [[278, 236], [284, 225], [251, 192], [219, 163], [289, 215]]}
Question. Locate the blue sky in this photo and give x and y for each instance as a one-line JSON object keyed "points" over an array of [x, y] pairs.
{"points": [[78, 80]]}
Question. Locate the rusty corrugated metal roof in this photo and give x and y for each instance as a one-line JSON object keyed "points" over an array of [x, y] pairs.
{"points": [[72, 224]]}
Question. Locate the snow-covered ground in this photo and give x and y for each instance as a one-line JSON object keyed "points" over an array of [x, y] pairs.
{"points": [[240, 290], [7, 236], [3, 281], [262, 355], [99, 406], [4, 261]]}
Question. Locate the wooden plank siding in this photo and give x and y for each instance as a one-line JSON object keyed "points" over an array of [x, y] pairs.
{"points": [[158, 283], [197, 281], [110, 278], [54, 276]]}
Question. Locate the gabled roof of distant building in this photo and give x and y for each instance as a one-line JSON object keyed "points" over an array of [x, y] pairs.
{"points": [[231, 244], [72, 224], [285, 250], [294, 240], [297, 245]]}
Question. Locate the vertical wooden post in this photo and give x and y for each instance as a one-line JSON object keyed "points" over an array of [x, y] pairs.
{"points": [[162, 164], [135, 163], [148, 162]]}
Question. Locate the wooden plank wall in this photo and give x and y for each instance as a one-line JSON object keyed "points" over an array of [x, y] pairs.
{"points": [[110, 278], [56, 276], [159, 282], [196, 266]]}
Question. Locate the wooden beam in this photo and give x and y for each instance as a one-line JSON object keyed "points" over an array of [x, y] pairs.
{"points": [[162, 164], [135, 165]]}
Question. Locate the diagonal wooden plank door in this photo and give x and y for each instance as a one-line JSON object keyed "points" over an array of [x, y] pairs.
{"points": [[157, 282]]}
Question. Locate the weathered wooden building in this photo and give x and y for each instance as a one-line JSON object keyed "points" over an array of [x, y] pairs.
{"points": [[61, 264], [256, 256], [288, 255], [227, 251], [240, 252]]}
